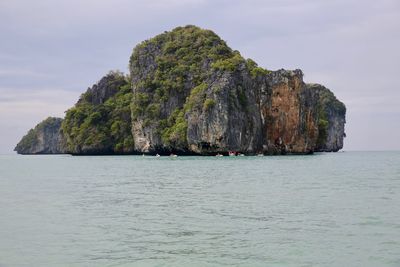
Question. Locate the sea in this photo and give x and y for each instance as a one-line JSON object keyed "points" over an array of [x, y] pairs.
{"points": [[327, 209]]}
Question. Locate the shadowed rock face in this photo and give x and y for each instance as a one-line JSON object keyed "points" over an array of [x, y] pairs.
{"points": [[231, 122], [332, 112], [45, 138], [189, 93]]}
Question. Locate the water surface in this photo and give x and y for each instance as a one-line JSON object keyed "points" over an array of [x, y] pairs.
{"points": [[333, 209]]}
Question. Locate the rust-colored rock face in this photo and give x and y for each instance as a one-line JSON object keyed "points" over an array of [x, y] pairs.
{"points": [[290, 114]]}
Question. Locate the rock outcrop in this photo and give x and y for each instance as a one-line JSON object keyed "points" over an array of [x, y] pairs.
{"points": [[45, 138], [189, 93]]}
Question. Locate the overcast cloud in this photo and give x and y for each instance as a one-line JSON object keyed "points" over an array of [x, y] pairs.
{"points": [[51, 51]]}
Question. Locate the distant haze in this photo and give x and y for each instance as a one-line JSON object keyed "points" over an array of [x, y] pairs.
{"points": [[52, 51]]}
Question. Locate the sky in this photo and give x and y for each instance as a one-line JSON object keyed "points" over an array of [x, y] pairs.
{"points": [[51, 51]]}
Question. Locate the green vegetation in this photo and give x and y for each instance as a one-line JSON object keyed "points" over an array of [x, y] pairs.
{"points": [[183, 52], [174, 131], [208, 104], [104, 127], [254, 69], [196, 98], [229, 64]]}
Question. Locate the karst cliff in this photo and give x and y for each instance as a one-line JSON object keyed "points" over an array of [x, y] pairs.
{"points": [[188, 93]]}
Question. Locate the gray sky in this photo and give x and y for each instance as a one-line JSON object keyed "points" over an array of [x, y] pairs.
{"points": [[51, 51]]}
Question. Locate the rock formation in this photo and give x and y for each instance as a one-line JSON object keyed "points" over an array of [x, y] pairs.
{"points": [[189, 93], [45, 138], [192, 94]]}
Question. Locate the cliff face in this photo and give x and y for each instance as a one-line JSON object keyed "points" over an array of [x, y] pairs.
{"points": [[222, 116], [290, 114], [189, 93], [193, 94], [45, 138], [181, 97]]}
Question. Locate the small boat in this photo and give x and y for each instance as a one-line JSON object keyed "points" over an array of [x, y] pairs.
{"points": [[173, 155], [219, 155], [260, 155], [241, 154], [157, 155], [232, 153]]}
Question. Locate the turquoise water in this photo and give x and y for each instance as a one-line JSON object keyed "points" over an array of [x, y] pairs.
{"points": [[333, 209]]}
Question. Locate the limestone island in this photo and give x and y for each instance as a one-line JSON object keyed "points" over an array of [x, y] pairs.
{"points": [[188, 93]]}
